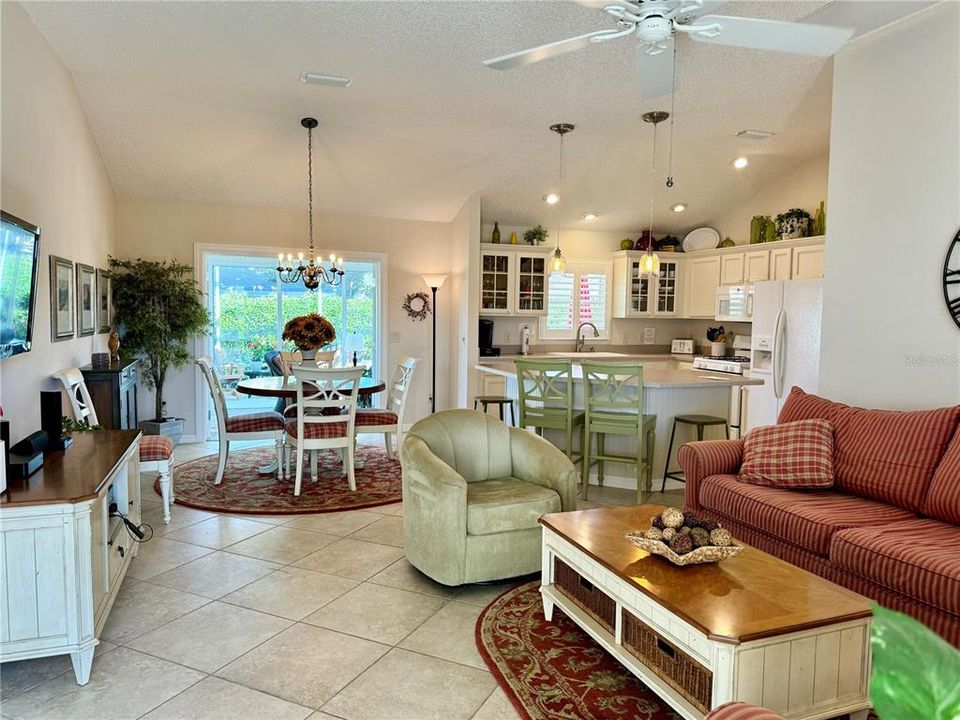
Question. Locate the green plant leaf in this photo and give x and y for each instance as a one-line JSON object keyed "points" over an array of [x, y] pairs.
{"points": [[916, 673]]}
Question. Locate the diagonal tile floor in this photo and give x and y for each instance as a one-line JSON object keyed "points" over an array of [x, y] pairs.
{"points": [[286, 617]]}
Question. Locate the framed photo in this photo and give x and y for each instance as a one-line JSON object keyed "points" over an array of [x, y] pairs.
{"points": [[86, 300], [61, 298], [104, 302]]}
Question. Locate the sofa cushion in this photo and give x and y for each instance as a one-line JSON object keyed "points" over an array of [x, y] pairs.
{"points": [[506, 503], [885, 455], [943, 497], [806, 519], [917, 558], [790, 455]]}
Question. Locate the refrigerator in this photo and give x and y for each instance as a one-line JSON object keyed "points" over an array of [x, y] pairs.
{"points": [[785, 346]]}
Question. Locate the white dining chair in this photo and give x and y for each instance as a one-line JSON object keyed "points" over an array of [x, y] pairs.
{"points": [[250, 426], [156, 451], [291, 359], [321, 391], [389, 419]]}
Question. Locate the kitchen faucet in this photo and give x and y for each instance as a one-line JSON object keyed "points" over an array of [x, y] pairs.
{"points": [[580, 341]]}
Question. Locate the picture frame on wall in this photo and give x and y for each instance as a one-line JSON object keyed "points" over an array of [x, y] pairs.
{"points": [[104, 302], [61, 299], [86, 300]]}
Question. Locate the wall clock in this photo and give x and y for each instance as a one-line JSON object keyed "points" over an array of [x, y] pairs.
{"points": [[951, 279]]}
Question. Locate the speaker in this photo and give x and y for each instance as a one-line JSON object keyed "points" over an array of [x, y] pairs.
{"points": [[51, 419], [35, 442]]}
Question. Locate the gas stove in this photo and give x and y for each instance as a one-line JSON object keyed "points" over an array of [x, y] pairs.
{"points": [[734, 365]]}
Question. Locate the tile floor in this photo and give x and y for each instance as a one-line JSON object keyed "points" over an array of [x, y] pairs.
{"points": [[277, 617]]}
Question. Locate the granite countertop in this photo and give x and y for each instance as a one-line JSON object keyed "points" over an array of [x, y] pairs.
{"points": [[659, 371]]}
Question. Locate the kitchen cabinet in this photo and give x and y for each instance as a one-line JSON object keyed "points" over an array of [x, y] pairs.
{"points": [[492, 385], [702, 280], [756, 266], [496, 283], [531, 284], [807, 262], [732, 269], [635, 296], [513, 281], [781, 263]]}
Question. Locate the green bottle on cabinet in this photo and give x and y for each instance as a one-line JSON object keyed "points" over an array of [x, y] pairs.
{"points": [[496, 234], [819, 221]]}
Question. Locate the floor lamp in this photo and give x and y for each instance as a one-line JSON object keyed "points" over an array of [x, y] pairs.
{"points": [[434, 282]]}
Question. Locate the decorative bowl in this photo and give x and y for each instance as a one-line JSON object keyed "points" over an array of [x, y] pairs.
{"points": [[705, 554]]}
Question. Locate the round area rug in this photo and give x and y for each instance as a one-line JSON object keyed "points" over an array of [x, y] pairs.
{"points": [[554, 670], [244, 490]]}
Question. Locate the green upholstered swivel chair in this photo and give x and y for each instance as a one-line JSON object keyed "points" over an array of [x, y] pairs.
{"points": [[473, 491]]}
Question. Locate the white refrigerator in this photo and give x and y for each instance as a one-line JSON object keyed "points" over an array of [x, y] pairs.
{"points": [[785, 350]]}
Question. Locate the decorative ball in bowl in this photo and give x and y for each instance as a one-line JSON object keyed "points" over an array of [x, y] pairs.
{"points": [[685, 539]]}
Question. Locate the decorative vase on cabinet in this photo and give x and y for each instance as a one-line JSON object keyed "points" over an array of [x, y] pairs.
{"points": [[495, 238]]}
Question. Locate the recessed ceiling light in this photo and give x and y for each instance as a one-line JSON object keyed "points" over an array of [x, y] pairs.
{"points": [[551, 198], [740, 163], [589, 216], [679, 207], [329, 80], [754, 134]]}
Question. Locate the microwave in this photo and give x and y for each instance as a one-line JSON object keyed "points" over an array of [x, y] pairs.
{"points": [[734, 303]]}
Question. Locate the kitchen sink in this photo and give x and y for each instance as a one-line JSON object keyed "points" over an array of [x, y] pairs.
{"points": [[587, 354]]}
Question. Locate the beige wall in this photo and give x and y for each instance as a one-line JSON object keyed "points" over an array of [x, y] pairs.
{"points": [[152, 229], [888, 340], [52, 176]]}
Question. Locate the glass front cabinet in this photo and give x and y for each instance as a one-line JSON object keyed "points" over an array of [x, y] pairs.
{"points": [[636, 296], [496, 283], [513, 282], [531, 284]]}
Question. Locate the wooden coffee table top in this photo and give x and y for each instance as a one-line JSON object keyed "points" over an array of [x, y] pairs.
{"points": [[750, 596]]}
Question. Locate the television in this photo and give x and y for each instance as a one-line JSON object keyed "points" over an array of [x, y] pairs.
{"points": [[19, 267]]}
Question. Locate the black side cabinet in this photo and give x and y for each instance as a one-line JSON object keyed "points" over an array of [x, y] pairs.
{"points": [[114, 393]]}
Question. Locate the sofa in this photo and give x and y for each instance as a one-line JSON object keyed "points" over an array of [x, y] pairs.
{"points": [[889, 528]]}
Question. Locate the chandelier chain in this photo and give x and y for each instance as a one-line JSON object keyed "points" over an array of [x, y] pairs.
{"points": [[310, 182]]}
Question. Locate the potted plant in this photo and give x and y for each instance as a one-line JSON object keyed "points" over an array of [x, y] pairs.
{"points": [[535, 235], [158, 309], [794, 223], [309, 333]]}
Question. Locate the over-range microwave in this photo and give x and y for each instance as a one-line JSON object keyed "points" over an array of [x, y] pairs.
{"points": [[734, 303]]}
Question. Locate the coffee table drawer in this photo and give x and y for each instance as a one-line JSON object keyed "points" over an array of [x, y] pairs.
{"points": [[679, 670], [584, 593]]}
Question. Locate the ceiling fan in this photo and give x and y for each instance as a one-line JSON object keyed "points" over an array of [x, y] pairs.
{"points": [[655, 22]]}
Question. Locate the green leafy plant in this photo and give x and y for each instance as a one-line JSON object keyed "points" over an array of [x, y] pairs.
{"points": [[535, 235], [158, 308], [70, 425]]}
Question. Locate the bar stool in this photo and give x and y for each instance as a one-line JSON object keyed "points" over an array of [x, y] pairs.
{"points": [[499, 401], [701, 422], [545, 396], [613, 397]]}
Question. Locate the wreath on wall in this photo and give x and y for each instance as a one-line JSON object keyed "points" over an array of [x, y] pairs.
{"points": [[417, 305]]}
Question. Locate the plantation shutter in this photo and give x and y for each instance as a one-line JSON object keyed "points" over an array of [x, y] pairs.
{"points": [[592, 298], [560, 302]]}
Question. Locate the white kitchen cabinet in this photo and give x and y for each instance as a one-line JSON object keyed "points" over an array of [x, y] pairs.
{"points": [[756, 266], [781, 263], [702, 278], [732, 269], [807, 262], [635, 296], [513, 281], [492, 385], [531, 284], [497, 291]]}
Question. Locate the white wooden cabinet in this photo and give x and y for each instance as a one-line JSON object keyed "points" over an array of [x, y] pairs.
{"points": [[635, 296], [513, 280], [531, 284], [732, 269], [807, 262], [756, 266], [781, 261], [497, 291], [702, 281]]}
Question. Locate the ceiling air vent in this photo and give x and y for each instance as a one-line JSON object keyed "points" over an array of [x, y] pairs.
{"points": [[329, 80], [754, 134]]}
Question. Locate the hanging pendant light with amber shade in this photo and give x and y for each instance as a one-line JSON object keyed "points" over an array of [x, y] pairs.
{"points": [[558, 263], [649, 262]]}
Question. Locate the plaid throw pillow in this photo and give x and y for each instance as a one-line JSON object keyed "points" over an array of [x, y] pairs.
{"points": [[791, 455]]}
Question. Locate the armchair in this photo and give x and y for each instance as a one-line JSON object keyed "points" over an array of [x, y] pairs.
{"points": [[473, 492]]}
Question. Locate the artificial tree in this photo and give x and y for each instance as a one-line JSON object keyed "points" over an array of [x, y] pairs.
{"points": [[158, 309]]}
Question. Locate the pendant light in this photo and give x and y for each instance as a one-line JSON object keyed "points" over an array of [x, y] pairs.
{"points": [[557, 263], [649, 262]]}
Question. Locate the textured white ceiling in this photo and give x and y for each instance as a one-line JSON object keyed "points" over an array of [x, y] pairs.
{"points": [[201, 102]]}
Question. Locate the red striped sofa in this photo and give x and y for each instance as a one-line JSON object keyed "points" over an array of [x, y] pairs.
{"points": [[889, 529]]}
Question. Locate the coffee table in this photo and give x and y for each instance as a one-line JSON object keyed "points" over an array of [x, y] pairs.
{"points": [[751, 628]]}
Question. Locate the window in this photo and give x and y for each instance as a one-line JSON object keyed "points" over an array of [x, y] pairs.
{"points": [[579, 295]]}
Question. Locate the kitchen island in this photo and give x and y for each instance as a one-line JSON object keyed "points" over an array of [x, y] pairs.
{"points": [[671, 387]]}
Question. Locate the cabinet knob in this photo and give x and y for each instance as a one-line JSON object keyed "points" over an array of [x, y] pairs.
{"points": [[121, 550]]}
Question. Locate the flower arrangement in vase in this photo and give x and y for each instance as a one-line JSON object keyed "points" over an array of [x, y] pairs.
{"points": [[309, 333]]}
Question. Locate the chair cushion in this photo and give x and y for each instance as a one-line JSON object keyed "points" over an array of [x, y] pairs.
{"points": [[806, 519], [376, 416], [791, 455], [943, 498], [881, 454], [506, 503], [255, 422], [317, 431], [741, 711], [154, 448], [917, 558]]}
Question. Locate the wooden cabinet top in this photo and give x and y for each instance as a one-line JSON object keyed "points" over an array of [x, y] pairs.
{"points": [[114, 367], [75, 474]]}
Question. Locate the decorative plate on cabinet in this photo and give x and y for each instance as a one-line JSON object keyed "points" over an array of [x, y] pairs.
{"points": [[705, 238]]}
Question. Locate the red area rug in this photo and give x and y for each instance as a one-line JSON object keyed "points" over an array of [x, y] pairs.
{"points": [[554, 670], [244, 490]]}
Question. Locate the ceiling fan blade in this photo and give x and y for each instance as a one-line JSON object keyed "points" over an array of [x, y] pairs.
{"points": [[543, 52], [655, 73], [865, 16], [789, 37]]}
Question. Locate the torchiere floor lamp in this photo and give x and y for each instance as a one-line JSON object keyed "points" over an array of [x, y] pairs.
{"points": [[434, 282]]}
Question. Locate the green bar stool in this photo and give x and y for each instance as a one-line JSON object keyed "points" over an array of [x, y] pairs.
{"points": [[701, 422], [499, 401], [545, 396], [613, 396]]}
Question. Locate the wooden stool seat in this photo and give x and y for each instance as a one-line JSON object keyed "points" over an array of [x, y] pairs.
{"points": [[499, 401], [701, 422]]}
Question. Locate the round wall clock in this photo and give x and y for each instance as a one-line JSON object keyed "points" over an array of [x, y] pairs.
{"points": [[951, 279]]}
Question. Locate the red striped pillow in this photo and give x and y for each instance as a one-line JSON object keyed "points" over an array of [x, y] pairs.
{"points": [[885, 455], [943, 499], [790, 455]]}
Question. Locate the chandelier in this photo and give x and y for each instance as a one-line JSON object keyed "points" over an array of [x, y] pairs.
{"points": [[313, 272]]}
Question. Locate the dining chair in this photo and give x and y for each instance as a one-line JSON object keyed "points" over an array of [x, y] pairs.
{"points": [[389, 419], [326, 411], [291, 359], [156, 451], [250, 426]]}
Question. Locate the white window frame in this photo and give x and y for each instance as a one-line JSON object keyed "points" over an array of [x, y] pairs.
{"points": [[579, 268]]}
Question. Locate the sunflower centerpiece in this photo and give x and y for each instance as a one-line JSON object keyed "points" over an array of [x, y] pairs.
{"points": [[309, 333]]}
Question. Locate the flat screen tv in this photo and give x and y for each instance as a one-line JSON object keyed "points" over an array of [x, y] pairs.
{"points": [[19, 266]]}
